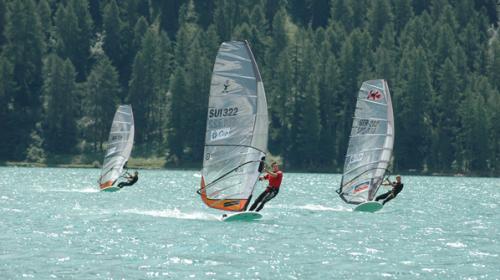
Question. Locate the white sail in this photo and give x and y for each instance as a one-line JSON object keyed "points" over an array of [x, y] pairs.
{"points": [[236, 131], [370, 144], [119, 146]]}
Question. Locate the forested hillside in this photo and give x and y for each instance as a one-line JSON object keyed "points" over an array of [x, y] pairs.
{"points": [[66, 65]]}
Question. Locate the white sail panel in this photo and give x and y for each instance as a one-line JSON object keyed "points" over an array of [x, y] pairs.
{"points": [[119, 146], [370, 144], [237, 129]]}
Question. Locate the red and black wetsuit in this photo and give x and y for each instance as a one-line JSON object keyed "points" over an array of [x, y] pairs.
{"points": [[270, 192]]}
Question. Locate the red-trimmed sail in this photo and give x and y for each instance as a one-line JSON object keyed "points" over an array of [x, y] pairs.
{"points": [[236, 131], [119, 146]]}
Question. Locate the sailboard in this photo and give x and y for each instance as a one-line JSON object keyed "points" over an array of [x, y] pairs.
{"points": [[236, 131], [369, 206], [370, 146], [242, 216], [119, 147]]}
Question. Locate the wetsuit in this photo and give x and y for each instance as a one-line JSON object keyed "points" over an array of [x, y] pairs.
{"points": [[132, 180], [390, 194], [270, 192]]}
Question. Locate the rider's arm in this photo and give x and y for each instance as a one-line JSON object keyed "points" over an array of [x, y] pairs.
{"points": [[274, 175]]}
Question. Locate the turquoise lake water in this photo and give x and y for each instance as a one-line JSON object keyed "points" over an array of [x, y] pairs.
{"points": [[55, 224]]}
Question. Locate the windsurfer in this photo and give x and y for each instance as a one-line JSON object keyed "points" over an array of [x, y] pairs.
{"points": [[274, 177], [397, 187], [131, 179]]}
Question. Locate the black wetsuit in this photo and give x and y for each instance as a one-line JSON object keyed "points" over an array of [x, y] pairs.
{"points": [[390, 194], [264, 197], [129, 183]]}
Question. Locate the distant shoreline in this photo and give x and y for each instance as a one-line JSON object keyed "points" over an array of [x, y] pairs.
{"points": [[159, 164]]}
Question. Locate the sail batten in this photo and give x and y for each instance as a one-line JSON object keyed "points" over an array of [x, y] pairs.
{"points": [[370, 143], [236, 131], [119, 146]]}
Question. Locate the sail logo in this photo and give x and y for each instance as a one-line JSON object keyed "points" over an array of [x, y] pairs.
{"points": [[355, 158], [360, 187], [374, 95], [226, 85], [219, 134]]}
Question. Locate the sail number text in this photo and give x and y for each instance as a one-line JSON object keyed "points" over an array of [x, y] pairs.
{"points": [[367, 126], [222, 112]]}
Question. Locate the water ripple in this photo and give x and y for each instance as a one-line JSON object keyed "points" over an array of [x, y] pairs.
{"points": [[437, 228]]}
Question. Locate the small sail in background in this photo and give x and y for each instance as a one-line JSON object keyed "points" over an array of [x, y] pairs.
{"points": [[119, 146], [370, 144]]}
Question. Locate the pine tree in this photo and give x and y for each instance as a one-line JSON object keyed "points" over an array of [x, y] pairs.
{"points": [[448, 98], [83, 37], [140, 28], [474, 134], [168, 13], [301, 11], [258, 37], [5, 112], [45, 15], [198, 74], [465, 11], [445, 45], [3, 13], [329, 77], [35, 152], [385, 55], [320, 12], [149, 85], [163, 70], [60, 106], [178, 90], [186, 35], [225, 14], [101, 100], [494, 63], [205, 10], [277, 43], [278, 83], [412, 141], [211, 42], [351, 61], [133, 10], [403, 11], [306, 125], [494, 130], [23, 52], [113, 41], [379, 15], [342, 13], [416, 32], [74, 29], [66, 24], [142, 86], [280, 96]]}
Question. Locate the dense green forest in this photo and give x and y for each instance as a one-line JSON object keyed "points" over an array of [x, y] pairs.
{"points": [[66, 65]]}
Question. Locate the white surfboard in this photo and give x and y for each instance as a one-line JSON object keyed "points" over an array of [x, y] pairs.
{"points": [[242, 216], [369, 206]]}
